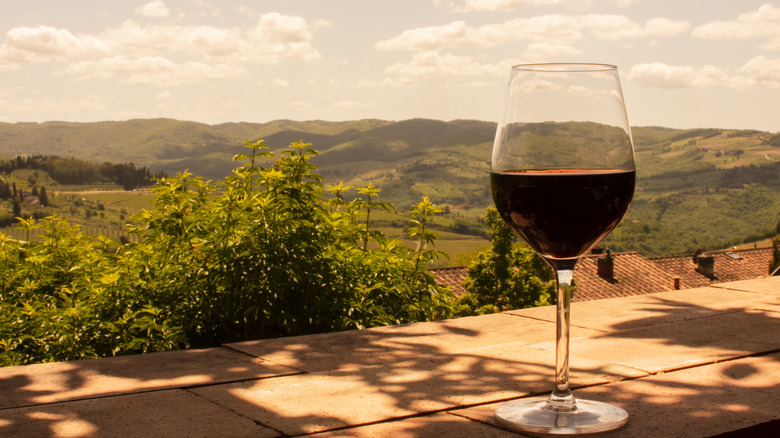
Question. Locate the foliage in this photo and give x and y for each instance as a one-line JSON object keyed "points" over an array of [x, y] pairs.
{"points": [[508, 275], [262, 253], [76, 171], [683, 223], [64, 296], [774, 263]]}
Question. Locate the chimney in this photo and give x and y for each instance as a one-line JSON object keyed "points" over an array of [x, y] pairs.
{"points": [[706, 265], [605, 266], [676, 285]]}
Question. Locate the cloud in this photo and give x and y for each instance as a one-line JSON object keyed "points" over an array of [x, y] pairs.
{"points": [[152, 70], [351, 105], [427, 64], [278, 37], [141, 52], [762, 71], [549, 29], [45, 43], [274, 38], [299, 105], [434, 64], [280, 83], [664, 76], [763, 23], [545, 50], [155, 9], [759, 71], [511, 5], [499, 5]]}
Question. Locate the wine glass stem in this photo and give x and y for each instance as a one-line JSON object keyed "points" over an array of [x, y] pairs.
{"points": [[561, 398]]}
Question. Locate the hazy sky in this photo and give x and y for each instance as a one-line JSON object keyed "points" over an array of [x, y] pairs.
{"points": [[683, 63]]}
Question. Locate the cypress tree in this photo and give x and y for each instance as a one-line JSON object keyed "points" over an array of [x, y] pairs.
{"points": [[43, 198]]}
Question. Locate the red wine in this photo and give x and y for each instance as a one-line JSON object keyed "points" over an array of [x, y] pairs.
{"points": [[561, 214]]}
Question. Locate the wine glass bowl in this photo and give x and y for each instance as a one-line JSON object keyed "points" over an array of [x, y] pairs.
{"points": [[562, 177]]}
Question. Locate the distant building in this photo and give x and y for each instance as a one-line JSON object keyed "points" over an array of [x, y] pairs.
{"points": [[625, 274], [699, 270]]}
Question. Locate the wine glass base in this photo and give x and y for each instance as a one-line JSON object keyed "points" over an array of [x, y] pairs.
{"points": [[534, 415]]}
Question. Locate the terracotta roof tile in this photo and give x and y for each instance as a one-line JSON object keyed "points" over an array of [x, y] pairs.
{"points": [[453, 277], [637, 275], [729, 265], [632, 275]]}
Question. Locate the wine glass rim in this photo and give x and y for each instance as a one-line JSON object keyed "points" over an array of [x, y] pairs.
{"points": [[565, 67]]}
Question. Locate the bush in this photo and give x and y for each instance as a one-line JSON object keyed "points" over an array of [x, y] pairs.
{"points": [[508, 275], [261, 254]]}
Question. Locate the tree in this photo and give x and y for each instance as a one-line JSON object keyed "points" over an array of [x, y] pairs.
{"points": [[263, 253], [509, 275], [775, 262], [17, 207], [5, 191], [43, 198]]}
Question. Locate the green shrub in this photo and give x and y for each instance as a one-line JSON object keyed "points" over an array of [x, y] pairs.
{"points": [[263, 253]]}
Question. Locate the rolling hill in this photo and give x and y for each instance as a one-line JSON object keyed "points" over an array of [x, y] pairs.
{"points": [[680, 171]]}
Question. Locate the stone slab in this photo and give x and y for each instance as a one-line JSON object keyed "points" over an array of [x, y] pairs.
{"points": [[699, 402], [436, 425], [769, 285], [653, 309], [332, 351], [695, 402], [360, 394], [61, 381], [685, 343], [169, 413]]}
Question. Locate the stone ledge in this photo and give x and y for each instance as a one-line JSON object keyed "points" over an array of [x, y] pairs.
{"points": [[696, 362]]}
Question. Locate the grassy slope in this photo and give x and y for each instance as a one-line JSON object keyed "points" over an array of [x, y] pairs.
{"points": [[681, 172]]}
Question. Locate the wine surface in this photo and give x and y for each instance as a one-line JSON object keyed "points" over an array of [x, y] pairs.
{"points": [[561, 214]]}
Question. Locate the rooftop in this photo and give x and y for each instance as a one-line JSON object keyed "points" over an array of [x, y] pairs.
{"points": [[697, 362], [633, 274]]}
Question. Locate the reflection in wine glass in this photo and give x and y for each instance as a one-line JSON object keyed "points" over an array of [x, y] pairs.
{"points": [[562, 177]]}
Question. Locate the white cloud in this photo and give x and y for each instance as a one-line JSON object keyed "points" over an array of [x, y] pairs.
{"points": [[511, 5], [434, 64], [660, 26], [549, 29], [399, 82], [155, 9], [299, 105], [498, 5], [278, 37], [351, 105], [664, 76], [545, 50], [427, 64], [152, 70], [763, 23], [279, 82], [45, 43], [763, 71], [275, 38], [757, 72], [144, 54]]}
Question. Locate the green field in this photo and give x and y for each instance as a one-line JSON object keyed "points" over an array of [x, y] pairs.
{"points": [[687, 178]]}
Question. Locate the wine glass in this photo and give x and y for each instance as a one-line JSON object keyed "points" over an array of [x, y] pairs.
{"points": [[562, 177]]}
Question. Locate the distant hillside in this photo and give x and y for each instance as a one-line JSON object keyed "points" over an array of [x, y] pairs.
{"points": [[679, 171], [161, 144]]}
